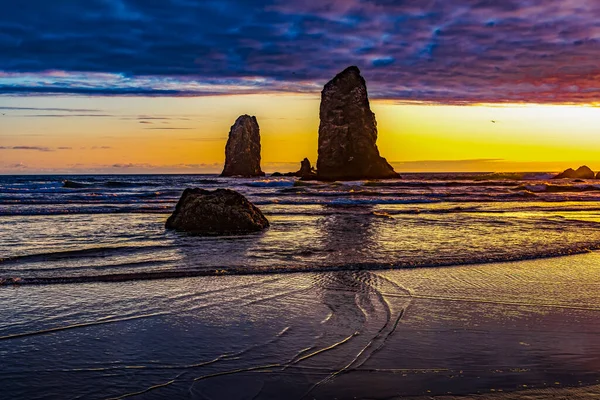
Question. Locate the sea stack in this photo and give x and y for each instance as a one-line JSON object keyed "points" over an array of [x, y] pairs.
{"points": [[348, 132], [242, 152], [306, 171], [583, 172]]}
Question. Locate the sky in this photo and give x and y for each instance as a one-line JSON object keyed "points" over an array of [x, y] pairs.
{"points": [[140, 86]]}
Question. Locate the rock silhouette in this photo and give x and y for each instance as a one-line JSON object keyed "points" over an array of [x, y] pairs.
{"points": [[306, 171], [242, 152], [74, 185], [348, 132], [218, 212], [583, 172]]}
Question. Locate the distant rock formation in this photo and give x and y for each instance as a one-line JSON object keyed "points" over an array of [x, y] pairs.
{"points": [[348, 132], [583, 172], [598, 175], [306, 171], [287, 174], [217, 212], [242, 152]]}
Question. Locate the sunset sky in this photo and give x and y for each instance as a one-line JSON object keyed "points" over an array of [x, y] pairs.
{"points": [[130, 86]]}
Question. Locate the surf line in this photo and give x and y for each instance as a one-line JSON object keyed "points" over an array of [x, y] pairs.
{"points": [[82, 325], [502, 303]]}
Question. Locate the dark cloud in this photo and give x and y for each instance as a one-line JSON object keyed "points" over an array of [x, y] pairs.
{"points": [[131, 165], [449, 51], [205, 139], [143, 118], [35, 148], [68, 110], [168, 129], [65, 115]]}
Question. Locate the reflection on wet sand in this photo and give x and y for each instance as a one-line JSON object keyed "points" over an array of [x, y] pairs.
{"points": [[416, 332]]}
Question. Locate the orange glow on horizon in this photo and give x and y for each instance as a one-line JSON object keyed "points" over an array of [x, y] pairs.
{"points": [[123, 135]]}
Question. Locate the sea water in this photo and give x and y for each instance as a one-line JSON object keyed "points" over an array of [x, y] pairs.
{"points": [[427, 285]]}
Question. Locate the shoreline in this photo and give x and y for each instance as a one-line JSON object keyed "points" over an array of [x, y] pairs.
{"points": [[557, 393], [243, 271]]}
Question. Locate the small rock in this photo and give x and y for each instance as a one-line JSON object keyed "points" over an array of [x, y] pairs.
{"points": [[217, 212]]}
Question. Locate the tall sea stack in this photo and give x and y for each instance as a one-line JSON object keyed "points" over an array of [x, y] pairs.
{"points": [[348, 132], [242, 152]]}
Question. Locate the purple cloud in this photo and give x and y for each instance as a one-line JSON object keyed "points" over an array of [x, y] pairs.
{"points": [[439, 51]]}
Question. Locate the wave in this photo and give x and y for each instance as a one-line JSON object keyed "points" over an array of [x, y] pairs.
{"points": [[267, 270], [548, 188], [114, 184], [308, 183], [119, 184], [207, 181], [270, 183], [75, 185], [288, 192], [93, 198], [344, 201], [142, 209], [93, 252], [368, 211], [428, 184]]}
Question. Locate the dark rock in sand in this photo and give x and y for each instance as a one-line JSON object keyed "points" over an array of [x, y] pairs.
{"points": [[217, 212], [242, 152], [348, 132], [583, 172]]}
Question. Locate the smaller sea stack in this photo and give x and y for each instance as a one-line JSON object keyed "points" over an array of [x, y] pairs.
{"points": [[306, 171], [583, 172], [242, 152]]}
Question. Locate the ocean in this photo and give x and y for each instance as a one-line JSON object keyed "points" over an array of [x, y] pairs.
{"points": [[104, 227], [430, 285]]}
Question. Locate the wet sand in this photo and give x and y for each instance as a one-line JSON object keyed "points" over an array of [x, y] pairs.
{"points": [[528, 329], [583, 393]]}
